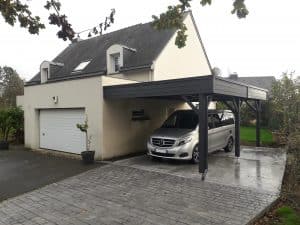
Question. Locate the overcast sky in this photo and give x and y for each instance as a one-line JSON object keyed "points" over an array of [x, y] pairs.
{"points": [[266, 43]]}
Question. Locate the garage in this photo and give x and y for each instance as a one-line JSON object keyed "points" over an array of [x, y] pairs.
{"points": [[58, 130]]}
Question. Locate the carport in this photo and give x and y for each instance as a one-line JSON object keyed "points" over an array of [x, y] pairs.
{"points": [[203, 90]]}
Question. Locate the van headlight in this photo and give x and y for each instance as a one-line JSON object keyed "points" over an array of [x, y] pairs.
{"points": [[184, 141]]}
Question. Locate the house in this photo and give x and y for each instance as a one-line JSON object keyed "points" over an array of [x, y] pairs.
{"points": [[264, 82], [69, 89]]}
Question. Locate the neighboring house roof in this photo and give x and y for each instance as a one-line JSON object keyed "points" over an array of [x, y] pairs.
{"points": [[264, 82], [147, 42]]}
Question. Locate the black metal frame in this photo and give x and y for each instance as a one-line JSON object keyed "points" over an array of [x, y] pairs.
{"points": [[236, 109], [198, 89], [257, 110]]}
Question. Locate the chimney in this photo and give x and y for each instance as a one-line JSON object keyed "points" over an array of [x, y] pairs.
{"points": [[233, 76], [75, 40]]}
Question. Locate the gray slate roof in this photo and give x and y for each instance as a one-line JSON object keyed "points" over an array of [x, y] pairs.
{"points": [[147, 41], [264, 82]]}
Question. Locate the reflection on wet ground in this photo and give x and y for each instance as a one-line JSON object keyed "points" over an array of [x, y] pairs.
{"points": [[257, 168]]}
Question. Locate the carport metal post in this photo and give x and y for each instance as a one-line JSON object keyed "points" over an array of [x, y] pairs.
{"points": [[258, 110], [237, 113], [203, 135]]}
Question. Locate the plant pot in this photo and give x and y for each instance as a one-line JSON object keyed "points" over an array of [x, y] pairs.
{"points": [[4, 145], [88, 157]]}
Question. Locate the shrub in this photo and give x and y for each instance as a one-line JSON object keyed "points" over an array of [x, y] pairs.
{"points": [[11, 123], [292, 170], [294, 142]]}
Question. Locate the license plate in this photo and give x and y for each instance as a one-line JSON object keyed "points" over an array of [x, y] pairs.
{"points": [[161, 150]]}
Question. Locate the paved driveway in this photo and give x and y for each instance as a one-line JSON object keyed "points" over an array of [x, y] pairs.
{"points": [[22, 171], [258, 168], [133, 193]]}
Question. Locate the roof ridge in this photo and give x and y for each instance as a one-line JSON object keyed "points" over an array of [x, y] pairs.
{"points": [[112, 32], [255, 76]]}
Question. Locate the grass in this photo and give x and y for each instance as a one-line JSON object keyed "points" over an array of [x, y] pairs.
{"points": [[288, 216], [248, 135]]}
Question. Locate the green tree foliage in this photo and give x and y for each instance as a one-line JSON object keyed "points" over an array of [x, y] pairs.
{"points": [[11, 122], [16, 10], [173, 17], [12, 86], [282, 111], [13, 11], [285, 103]]}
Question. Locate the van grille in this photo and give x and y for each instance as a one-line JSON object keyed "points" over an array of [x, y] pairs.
{"points": [[163, 154], [160, 142]]}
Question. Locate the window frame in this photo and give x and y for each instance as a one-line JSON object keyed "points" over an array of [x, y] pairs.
{"points": [[79, 67], [115, 64]]}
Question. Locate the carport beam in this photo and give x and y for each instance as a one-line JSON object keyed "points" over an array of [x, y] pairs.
{"points": [[203, 135]]}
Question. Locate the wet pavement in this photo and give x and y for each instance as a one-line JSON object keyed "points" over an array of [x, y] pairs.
{"points": [[140, 191], [22, 171], [258, 168]]}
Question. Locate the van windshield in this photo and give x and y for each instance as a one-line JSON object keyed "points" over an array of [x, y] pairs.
{"points": [[182, 120]]}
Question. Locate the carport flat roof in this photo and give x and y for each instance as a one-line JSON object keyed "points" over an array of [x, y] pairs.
{"points": [[217, 87]]}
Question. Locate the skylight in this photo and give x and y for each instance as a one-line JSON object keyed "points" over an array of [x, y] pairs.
{"points": [[81, 66]]}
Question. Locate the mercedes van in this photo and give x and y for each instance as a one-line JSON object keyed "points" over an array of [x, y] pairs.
{"points": [[177, 138]]}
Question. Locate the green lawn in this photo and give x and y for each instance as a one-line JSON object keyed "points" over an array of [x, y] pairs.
{"points": [[248, 135], [288, 216]]}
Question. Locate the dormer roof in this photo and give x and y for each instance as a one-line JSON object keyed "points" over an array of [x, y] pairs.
{"points": [[142, 45]]}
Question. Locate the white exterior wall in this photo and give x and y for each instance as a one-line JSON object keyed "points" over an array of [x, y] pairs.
{"points": [[190, 61], [20, 101], [110, 81], [139, 76], [82, 93], [121, 135]]}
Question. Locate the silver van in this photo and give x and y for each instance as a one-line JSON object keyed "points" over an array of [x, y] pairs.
{"points": [[177, 138]]}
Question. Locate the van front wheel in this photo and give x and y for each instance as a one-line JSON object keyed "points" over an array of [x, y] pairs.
{"points": [[229, 145]]}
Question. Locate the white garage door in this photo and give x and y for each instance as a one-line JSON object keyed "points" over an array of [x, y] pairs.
{"points": [[58, 130]]}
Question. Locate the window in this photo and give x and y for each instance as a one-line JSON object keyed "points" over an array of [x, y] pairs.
{"points": [[182, 120], [227, 119], [213, 121], [115, 63], [81, 66], [46, 72]]}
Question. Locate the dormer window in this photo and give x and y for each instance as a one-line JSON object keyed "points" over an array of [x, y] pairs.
{"points": [[81, 66], [114, 58], [45, 70], [115, 63]]}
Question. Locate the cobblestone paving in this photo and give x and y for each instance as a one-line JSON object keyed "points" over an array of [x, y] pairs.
{"points": [[115, 194]]}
